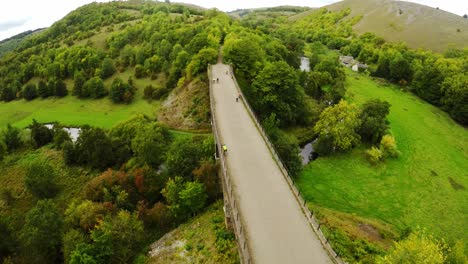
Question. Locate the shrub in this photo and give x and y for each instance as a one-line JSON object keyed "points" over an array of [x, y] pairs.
{"points": [[419, 247], [30, 92], [40, 180], [41, 233], [140, 71], [374, 155], [85, 214], [60, 137], [12, 138], [121, 92], [388, 146], [3, 150], [159, 216], [40, 134], [148, 92]]}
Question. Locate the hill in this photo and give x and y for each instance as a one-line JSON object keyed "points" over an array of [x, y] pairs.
{"points": [[10, 44], [418, 25], [269, 11]]}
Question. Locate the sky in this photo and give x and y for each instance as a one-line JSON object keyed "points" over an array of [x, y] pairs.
{"points": [[17, 16]]}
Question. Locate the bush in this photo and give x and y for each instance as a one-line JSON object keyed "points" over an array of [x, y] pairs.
{"points": [[148, 92], [3, 150], [419, 247], [121, 92], [158, 216], [40, 180], [40, 134], [140, 71], [41, 233], [12, 138], [60, 137], [388, 146], [374, 155], [30, 92]]}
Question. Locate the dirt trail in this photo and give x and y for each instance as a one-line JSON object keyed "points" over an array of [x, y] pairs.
{"points": [[276, 228]]}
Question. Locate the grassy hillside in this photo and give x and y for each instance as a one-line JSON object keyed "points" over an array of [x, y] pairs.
{"points": [[408, 22], [425, 186], [203, 239], [11, 43]]}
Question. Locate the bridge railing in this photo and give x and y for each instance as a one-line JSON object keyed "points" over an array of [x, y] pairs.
{"points": [[239, 230], [313, 221]]}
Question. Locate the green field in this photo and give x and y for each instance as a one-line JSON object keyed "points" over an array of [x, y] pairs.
{"points": [[73, 111], [426, 186]]}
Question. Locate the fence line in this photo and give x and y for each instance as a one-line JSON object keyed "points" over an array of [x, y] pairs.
{"points": [[234, 213], [302, 202]]}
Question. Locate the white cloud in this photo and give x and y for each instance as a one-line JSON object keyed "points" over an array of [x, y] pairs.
{"points": [[44, 13]]}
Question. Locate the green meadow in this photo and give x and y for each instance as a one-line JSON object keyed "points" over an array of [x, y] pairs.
{"points": [[425, 186]]}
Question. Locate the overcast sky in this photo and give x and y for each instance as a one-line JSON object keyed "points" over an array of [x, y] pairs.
{"points": [[17, 16]]}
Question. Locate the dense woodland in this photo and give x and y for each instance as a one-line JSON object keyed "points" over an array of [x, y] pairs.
{"points": [[149, 181]]}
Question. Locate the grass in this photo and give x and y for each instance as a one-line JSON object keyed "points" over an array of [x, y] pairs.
{"points": [[72, 111], [425, 186], [203, 239], [411, 26], [16, 201]]}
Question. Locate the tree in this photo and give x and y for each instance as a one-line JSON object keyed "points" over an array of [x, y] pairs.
{"points": [[117, 239], [150, 144], [426, 83], [60, 137], [400, 69], [43, 89], [185, 155], [244, 53], [93, 148], [41, 232], [107, 68], [60, 88], [84, 214], [8, 94], [207, 174], [200, 61], [40, 180], [30, 92], [455, 97], [12, 138], [374, 123], [94, 88], [7, 243], [140, 71], [276, 90], [71, 240], [337, 127], [120, 91], [40, 134], [80, 80], [419, 247], [3, 150], [184, 199]]}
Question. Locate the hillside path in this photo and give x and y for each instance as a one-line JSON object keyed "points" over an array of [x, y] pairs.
{"points": [[277, 230]]}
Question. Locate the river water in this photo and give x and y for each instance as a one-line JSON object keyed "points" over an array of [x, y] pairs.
{"points": [[73, 132]]}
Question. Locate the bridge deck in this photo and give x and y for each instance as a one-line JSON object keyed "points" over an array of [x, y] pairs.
{"points": [[277, 230]]}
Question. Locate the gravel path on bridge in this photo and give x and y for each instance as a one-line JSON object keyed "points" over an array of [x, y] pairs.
{"points": [[276, 228]]}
